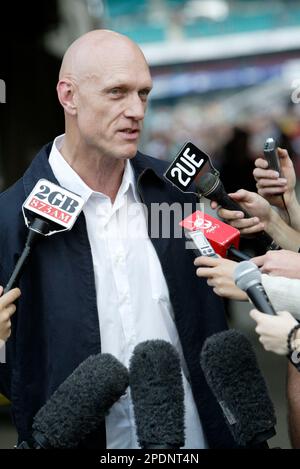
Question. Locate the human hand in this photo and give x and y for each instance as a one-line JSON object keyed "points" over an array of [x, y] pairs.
{"points": [[219, 273], [270, 185], [279, 263], [257, 207], [273, 330], [7, 309]]}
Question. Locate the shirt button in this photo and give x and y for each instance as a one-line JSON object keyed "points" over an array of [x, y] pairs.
{"points": [[119, 258], [125, 298]]}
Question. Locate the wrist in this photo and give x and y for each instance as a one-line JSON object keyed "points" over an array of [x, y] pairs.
{"points": [[293, 352], [271, 220], [291, 200]]}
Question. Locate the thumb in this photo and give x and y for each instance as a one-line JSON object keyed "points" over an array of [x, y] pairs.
{"points": [[283, 314], [1, 290], [256, 315], [259, 260], [241, 195], [284, 156]]}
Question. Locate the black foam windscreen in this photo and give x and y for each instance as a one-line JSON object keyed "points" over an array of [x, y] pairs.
{"points": [[81, 402], [157, 394], [231, 370]]}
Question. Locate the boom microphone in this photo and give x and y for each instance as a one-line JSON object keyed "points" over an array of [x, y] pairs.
{"points": [[80, 403], [212, 188], [230, 367], [158, 396], [47, 210], [247, 277]]}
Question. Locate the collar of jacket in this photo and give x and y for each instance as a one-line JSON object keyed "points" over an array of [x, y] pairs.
{"points": [[40, 167]]}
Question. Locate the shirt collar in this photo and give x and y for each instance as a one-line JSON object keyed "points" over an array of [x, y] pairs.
{"points": [[69, 179]]}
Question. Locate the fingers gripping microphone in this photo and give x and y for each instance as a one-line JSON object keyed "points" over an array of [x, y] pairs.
{"points": [[212, 188], [80, 403], [157, 394], [230, 367], [47, 210], [247, 277]]}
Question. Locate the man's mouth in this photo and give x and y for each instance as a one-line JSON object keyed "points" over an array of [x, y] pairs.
{"points": [[130, 133]]}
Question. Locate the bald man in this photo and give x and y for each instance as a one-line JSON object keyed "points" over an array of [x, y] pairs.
{"points": [[105, 285]]}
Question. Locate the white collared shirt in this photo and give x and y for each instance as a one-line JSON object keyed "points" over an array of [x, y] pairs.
{"points": [[132, 294]]}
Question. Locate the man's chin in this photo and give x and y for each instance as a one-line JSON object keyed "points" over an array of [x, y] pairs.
{"points": [[128, 151]]}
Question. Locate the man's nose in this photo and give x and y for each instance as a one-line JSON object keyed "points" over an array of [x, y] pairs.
{"points": [[135, 107]]}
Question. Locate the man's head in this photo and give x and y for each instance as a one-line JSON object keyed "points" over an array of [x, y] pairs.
{"points": [[103, 87]]}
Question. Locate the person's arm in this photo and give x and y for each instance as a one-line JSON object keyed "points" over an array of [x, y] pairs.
{"points": [[273, 330], [293, 399], [7, 309]]}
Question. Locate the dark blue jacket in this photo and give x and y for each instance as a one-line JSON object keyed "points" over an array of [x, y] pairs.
{"points": [[56, 325]]}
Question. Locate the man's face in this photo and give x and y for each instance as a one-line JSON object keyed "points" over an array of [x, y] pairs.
{"points": [[111, 104]]}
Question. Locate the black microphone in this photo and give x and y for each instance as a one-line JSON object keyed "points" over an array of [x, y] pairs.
{"points": [[231, 370], [80, 403], [157, 394], [212, 188], [247, 277], [47, 210], [37, 229]]}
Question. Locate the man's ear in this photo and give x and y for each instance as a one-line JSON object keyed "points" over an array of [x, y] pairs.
{"points": [[65, 93]]}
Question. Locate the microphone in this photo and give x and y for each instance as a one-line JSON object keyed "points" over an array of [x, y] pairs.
{"points": [[47, 210], [247, 277], [212, 188], [157, 394], [224, 239], [80, 403], [230, 367]]}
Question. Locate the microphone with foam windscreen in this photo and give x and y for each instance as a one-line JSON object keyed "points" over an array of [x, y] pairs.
{"points": [[230, 367], [80, 403], [224, 239], [247, 277], [157, 394], [212, 188], [48, 209]]}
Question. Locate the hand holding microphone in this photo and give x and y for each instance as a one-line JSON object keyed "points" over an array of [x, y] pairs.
{"points": [[270, 184], [257, 207], [273, 330], [219, 273]]}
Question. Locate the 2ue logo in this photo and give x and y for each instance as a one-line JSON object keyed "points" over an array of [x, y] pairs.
{"points": [[186, 166]]}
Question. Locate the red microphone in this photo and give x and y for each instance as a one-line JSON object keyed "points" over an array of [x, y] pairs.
{"points": [[224, 239]]}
